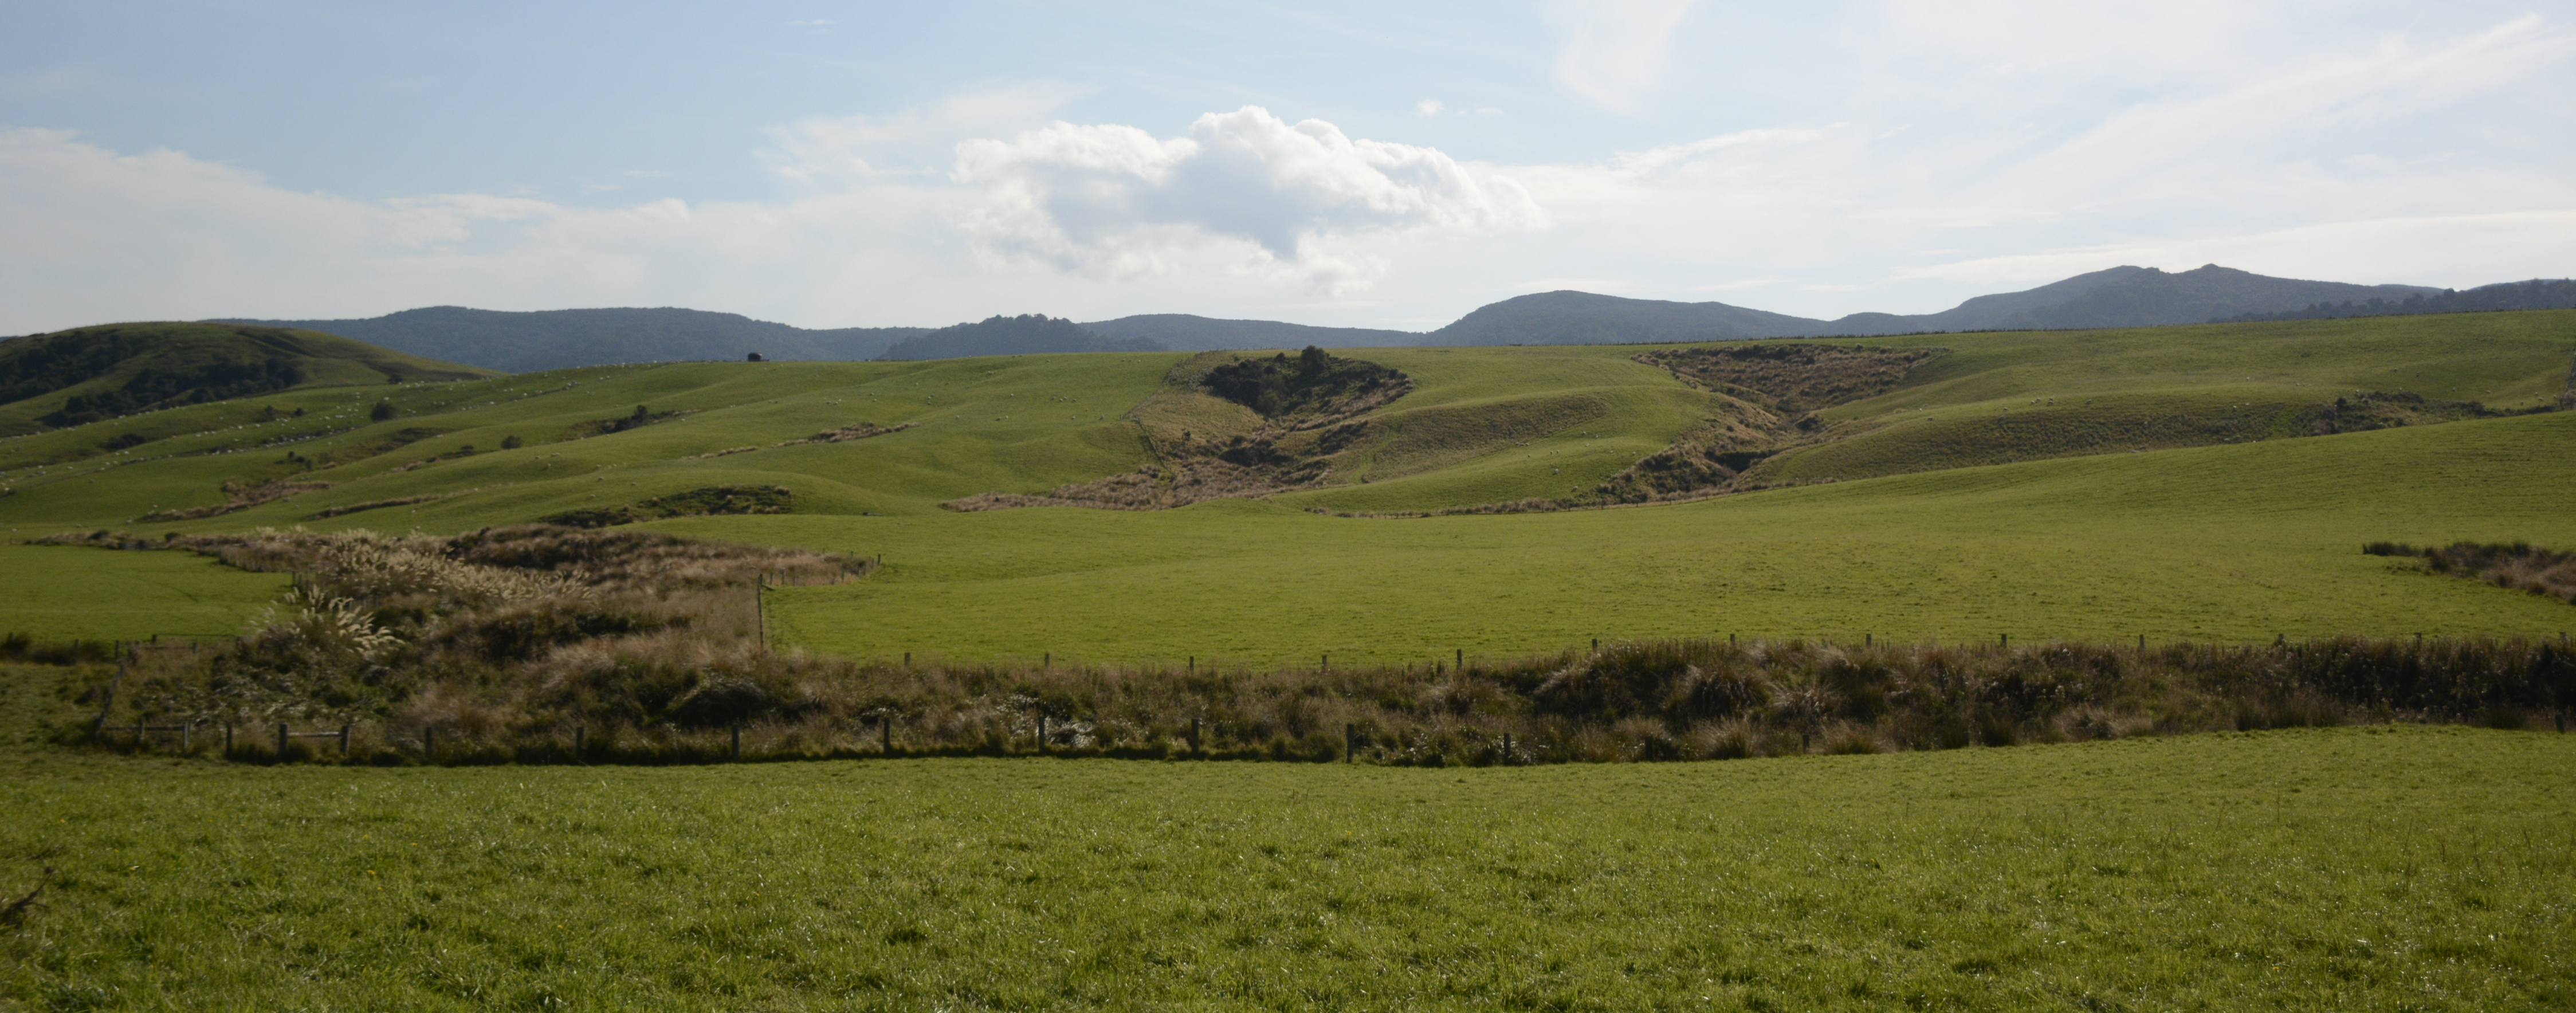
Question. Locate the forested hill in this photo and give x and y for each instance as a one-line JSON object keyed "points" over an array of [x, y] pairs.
{"points": [[86, 374], [2536, 294], [556, 339]]}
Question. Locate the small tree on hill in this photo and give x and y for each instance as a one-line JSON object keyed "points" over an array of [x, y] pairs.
{"points": [[383, 410]]}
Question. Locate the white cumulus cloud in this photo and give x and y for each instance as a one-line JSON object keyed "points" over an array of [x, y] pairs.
{"points": [[1117, 202]]}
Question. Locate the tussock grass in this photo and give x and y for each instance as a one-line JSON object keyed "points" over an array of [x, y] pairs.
{"points": [[502, 644], [2519, 565]]}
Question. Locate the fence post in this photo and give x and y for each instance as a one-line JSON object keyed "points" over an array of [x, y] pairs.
{"points": [[1596, 645], [1194, 734], [99, 726], [1325, 666], [1350, 743], [737, 742], [1462, 661], [1507, 747], [138, 733], [885, 728], [1194, 664], [1042, 733], [2003, 640], [344, 741], [907, 660], [2142, 641], [281, 740], [580, 741], [429, 743], [184, 728], [228, 740]]}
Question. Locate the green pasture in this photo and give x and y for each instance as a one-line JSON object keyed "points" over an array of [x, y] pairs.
{"points": [[57, 593], [2238, 543], [2383, 868], [2003, 500]]}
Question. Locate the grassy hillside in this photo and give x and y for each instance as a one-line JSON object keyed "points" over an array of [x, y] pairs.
{"points": [[58, 594], [2253, 532], [2380, 868], [88, 374], [2221, 543]]}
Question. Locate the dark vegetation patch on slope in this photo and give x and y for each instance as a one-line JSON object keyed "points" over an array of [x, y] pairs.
{"points": [[1307, 408], [501, 643], [853, 431], [1769, 394], [709, 501], [637, 419], [237, 496], [2520, 565]]}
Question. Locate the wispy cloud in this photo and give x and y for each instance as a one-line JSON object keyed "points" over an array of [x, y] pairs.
{"points": [[1615, 52]]}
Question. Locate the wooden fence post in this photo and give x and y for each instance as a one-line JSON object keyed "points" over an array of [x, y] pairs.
{"points": [[1507, 747], [907, 660], [1194, 664], [1350, 743], [228, 740], [580, 739], [99, 726], [184, 728], [344, 741], [138, 733], [1042, 733], [281, 740], [737, 742], [1462, 661], [1194, 734], [429, 743]]}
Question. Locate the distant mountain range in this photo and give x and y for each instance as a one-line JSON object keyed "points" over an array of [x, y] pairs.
{"points": [[2117, 297], [1020, 335], [1183, 332], [556, 339]]}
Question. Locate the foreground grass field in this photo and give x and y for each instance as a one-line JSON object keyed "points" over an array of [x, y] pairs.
{"points": [[2381, 868]]}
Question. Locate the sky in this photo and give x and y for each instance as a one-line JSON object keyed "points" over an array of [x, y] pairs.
{"points": [[1387, 164]]}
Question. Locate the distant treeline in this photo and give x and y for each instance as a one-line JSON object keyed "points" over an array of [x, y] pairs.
{"points": [[540, 644], [2536, 294]]}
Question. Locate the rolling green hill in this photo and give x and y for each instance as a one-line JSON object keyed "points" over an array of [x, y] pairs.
{"points": [[2171, 489], [93, 374]]}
